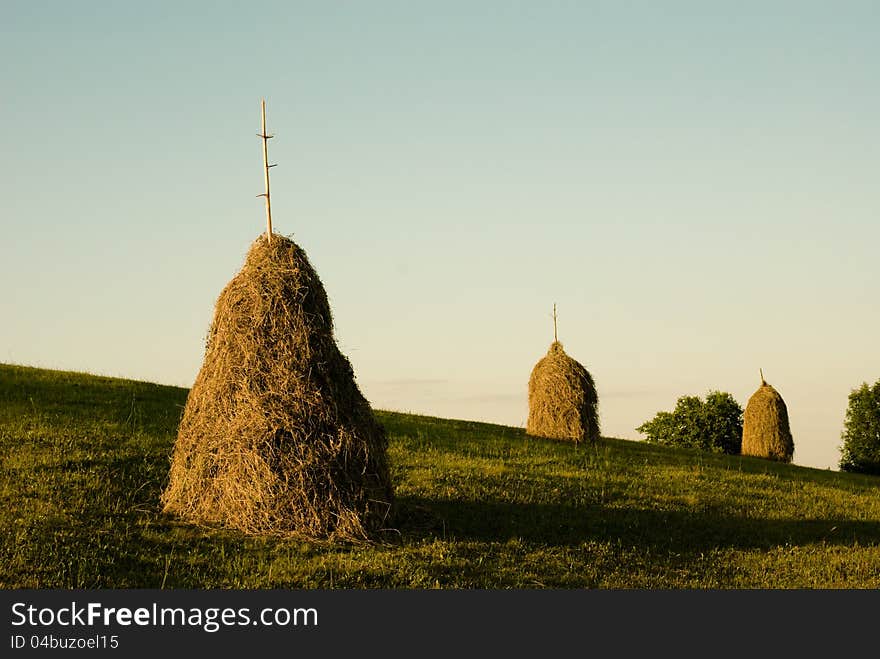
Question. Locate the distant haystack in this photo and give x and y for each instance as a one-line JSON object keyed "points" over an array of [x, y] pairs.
{"points": [[766, 433], [563, 403], [276, 438]]}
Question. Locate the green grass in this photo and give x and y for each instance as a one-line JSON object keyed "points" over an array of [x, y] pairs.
{"points": [[84, 459]]}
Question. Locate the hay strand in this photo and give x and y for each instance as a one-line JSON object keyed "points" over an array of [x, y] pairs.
{"points": [[276, 438], [563, 403], [766, 432]]}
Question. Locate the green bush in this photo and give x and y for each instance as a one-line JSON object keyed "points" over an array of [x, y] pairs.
{"points": [[861, 434], [711, 425]]}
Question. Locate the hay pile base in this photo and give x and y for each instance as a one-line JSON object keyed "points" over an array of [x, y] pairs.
{"points": [[766, 433], [563, 403], [276, 438]]}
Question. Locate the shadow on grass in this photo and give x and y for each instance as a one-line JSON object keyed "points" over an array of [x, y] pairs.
{"points": [[678, 532]]}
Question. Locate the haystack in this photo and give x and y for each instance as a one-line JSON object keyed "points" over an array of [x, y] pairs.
{"points": [[765, 426], [563, 403], [276, 438]]}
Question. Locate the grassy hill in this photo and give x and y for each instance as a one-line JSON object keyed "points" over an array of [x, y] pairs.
{"points": [[84, 459]]}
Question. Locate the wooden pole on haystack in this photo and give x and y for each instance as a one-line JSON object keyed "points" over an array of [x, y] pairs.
{"points": [[555, 338], [266, 167]]}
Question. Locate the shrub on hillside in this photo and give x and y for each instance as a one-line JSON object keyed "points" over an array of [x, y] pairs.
{"points": [[711, 425], [861, 434]]}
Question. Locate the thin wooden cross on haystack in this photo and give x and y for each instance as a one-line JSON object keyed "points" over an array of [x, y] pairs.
{"points": [[266, 137]]}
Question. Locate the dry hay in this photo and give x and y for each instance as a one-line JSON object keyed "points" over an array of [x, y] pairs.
{"points": [[563, 403], [766, 433], [276, 438]]}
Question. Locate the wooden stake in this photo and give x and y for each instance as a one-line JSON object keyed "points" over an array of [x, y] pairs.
{"points": [[266, 137], [555, 338]]}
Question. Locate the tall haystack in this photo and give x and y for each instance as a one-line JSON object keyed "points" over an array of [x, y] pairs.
{"points": [[276, 438], [563, 403], [766, 433]]}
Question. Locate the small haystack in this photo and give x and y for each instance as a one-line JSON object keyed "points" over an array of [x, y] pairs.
{"points": [[765, 426], [276, 438], [563, 403]]}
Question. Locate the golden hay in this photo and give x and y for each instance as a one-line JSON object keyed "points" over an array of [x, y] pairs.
{"points": [[276, 438], [766, 433], [563, 403]]}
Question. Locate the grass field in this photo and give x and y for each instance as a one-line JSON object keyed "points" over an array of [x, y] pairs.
{"points": [[84, 459]]}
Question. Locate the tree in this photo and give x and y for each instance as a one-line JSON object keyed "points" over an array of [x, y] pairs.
{"points": [[711, 425], [861, 431]]}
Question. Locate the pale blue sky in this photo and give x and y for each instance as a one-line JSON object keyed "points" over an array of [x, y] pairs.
{"points": [[694, 183]]}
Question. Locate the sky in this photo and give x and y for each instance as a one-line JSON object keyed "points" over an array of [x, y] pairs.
{"points": [[694, 184]]}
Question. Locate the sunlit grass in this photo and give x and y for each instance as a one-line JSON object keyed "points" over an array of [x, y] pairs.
{"points": [[85, 458]]}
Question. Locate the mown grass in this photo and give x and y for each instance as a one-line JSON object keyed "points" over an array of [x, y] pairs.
{"points": [[84, 459]]}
